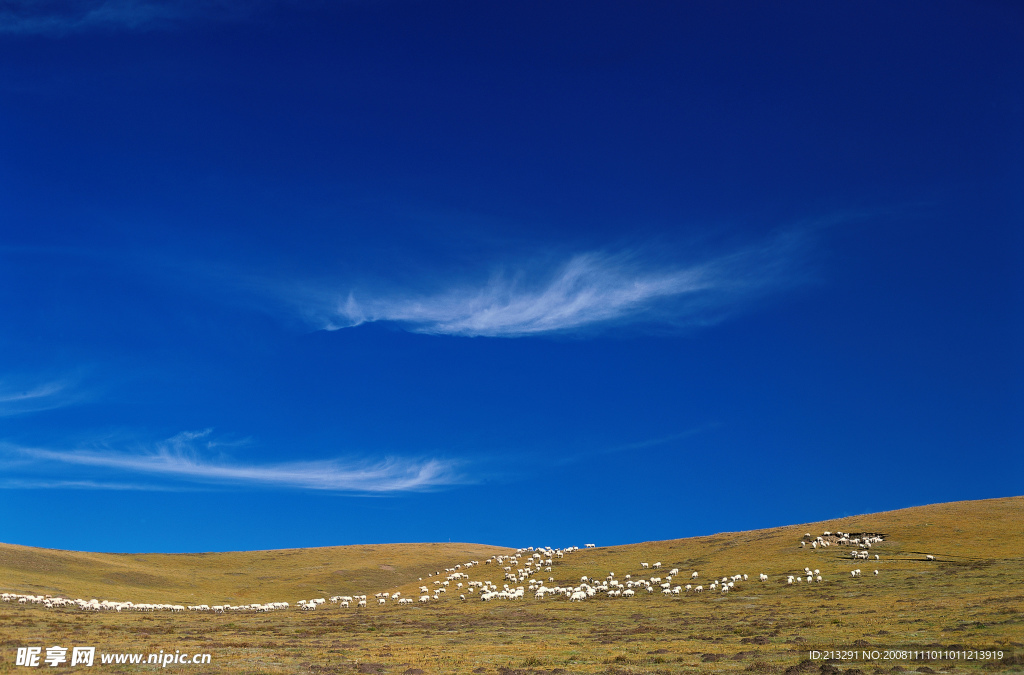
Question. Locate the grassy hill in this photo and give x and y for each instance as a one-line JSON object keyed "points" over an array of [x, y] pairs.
{"points": [[236, 577], [969, 597]]}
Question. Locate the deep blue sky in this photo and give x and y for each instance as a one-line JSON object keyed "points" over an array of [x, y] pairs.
{"points": [[281, 274]]}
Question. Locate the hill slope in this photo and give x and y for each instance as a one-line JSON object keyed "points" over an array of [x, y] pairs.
{"points": [[235, 577], [961, 534], [968, 598]]}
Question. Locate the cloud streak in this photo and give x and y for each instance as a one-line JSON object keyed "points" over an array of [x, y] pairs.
{"points": [[17, 484], [61, 17], [20, 400], [178, 459], [586, 291]]}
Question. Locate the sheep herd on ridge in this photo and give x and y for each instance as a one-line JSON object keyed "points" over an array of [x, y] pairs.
{"points": [[524, 567]]}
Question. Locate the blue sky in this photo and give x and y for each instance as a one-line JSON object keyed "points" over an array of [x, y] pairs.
{"points": [[280, 274]]}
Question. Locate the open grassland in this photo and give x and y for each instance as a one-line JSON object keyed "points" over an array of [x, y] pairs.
{"points": [[970, 597], [237, 578]]}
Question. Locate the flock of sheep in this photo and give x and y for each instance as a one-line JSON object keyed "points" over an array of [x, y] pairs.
{"points": [[118, 606], [522, 567]]}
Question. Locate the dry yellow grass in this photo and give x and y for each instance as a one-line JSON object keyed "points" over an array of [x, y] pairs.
{"points": [[240, 577], [970, 597]]}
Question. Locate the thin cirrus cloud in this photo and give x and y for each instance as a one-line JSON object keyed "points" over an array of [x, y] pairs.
{"points": [[20, 400], [62, 17], [179, 459], [587, 291], [22, 484]]}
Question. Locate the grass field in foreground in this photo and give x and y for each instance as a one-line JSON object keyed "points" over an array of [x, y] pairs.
{"points": [[970, 597]]}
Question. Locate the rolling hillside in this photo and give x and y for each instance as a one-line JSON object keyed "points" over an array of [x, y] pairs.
{"points": [[235, 577], [970, 596], [963, 535]]}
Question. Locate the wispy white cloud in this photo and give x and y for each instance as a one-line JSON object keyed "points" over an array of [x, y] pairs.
{"points": [[61, 17], [584, 291], [181, 458], [38, 392], [23, 484], [19, 399]]}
